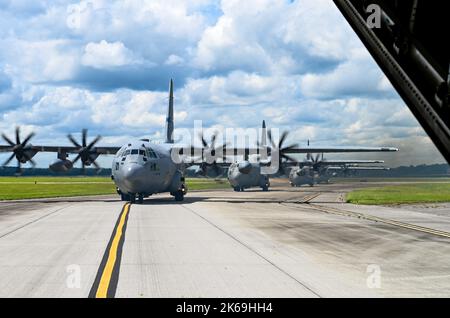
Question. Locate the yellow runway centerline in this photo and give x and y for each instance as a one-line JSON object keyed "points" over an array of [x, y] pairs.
{"points": [[106, 283]]}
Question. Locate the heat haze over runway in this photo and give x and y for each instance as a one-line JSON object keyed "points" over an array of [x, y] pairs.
{"points": [[289, 242]]}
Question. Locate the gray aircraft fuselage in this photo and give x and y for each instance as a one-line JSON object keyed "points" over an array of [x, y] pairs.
{"points": [[301, 176], [142, 168], [245, 175]]}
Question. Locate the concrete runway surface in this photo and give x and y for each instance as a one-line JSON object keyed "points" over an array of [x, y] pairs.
{"points": [[289, 242]]}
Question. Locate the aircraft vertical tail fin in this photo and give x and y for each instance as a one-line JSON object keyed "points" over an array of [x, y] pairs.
{"points": [[170, 115], [264, 134], [263, 143]]}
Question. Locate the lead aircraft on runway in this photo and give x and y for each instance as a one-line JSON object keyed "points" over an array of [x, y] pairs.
{"points": [[141, 168]]}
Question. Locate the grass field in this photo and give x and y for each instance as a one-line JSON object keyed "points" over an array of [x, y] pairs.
{"points": [[15, 188], [369, 180], [402, 194]]}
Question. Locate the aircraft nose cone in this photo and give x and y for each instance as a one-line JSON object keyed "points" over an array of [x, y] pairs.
{"points": [[134, 178], [132, 172], [245, 167]]}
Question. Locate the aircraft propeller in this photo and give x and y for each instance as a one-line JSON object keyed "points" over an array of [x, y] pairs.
{"points": [[314, 161], [21, 150], [86, 151], [281, 149], [213, 150]]}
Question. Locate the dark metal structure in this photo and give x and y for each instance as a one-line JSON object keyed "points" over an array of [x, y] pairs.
{"points": [[409, 39]]}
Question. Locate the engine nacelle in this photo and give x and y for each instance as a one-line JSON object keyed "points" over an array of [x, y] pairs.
{"points": [[92, 157], [199, 172], [28, 153], [305, 171], [61, 165], [245, 167]]}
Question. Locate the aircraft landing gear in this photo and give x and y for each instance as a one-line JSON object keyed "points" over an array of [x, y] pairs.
{"points": [[184, 189], [124, 197], [265, 188], [133, 198], [141, 198], [179, 196]]}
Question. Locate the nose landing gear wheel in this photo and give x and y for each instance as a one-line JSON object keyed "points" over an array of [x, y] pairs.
{"points": [[141, 198], [179, 196]]}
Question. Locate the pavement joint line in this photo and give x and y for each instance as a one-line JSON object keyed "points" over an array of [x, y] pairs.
{"points": [[409, 226], [308, 198], [35, 220], [107, 278], [305, 199], [254, 251]]}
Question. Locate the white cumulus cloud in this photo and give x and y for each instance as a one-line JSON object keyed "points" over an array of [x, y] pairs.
{"points": [[106, 55]]}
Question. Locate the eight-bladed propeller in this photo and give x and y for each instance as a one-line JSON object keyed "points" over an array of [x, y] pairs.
{"points": [[21, 150], [86, 152], [212, 151], [315, 162], [281, 149]]}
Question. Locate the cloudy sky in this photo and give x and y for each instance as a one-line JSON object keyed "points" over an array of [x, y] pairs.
{"points": [[105, 65]]}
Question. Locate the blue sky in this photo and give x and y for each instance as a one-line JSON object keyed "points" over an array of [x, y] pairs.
{"points": [[105, 66]]}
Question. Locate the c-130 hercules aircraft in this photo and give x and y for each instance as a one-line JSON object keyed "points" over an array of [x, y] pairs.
{"points": [[141, 168], [245, 174]]}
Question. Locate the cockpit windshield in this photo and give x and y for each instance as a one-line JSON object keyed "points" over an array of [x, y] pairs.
{"points": [[147, 153]]}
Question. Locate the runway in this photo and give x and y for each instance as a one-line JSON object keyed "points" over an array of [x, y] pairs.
{"points": [[289, 242]]}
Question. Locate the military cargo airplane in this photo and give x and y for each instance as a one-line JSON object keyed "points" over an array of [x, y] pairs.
{"points": [[243, 175], [141, 168], [315, 170]]}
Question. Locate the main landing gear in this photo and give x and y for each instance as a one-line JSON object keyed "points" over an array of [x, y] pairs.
{"points": [[179, 195], [132, 198]]}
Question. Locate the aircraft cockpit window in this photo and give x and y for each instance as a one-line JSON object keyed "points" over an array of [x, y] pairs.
{"points": [[126, 153], [151, 153], [134, 152], [142, 152]]}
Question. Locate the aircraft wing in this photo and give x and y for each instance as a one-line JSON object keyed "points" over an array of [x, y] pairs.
{"points": [[68, 149], [359, 168], [5, 149], [63, 149], [349, 162], [340, 149], [230, 151]]}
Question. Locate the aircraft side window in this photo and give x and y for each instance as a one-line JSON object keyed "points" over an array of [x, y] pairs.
{"points": [[151, 153]]}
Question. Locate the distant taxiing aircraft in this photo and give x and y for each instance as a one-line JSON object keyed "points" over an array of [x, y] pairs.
{"points": [[141, 168]]}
